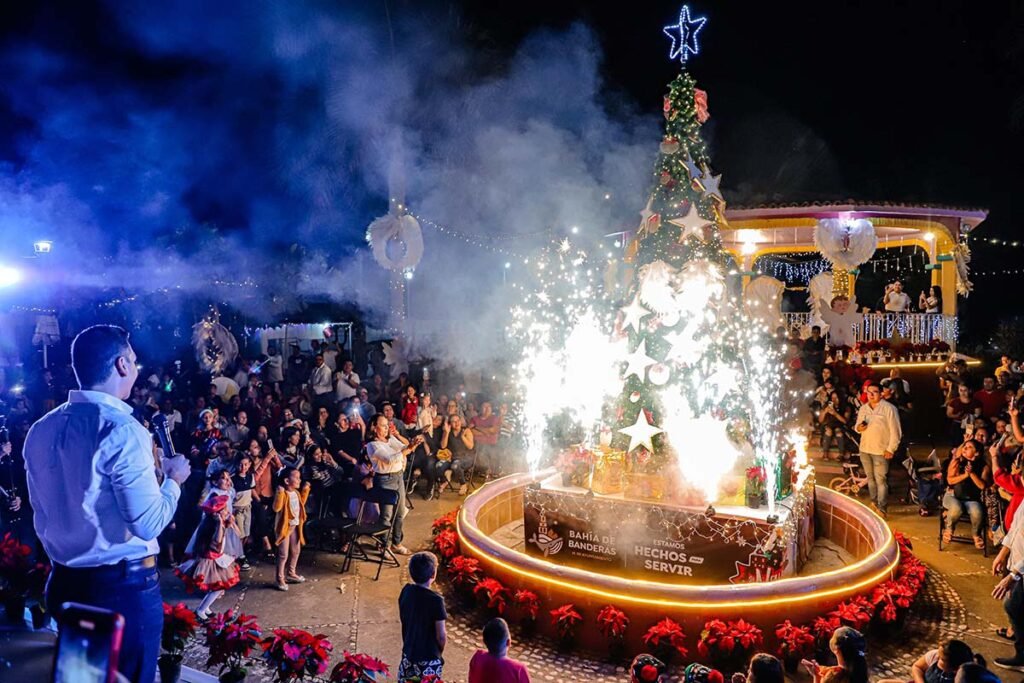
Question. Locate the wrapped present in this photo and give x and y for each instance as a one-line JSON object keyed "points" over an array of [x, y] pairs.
{"points": [[609, 471], [645, 486]]}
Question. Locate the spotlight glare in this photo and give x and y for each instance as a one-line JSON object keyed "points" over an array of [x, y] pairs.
{"points": [[42, 246], [9, 276]]}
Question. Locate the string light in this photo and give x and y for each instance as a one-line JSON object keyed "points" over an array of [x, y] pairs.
{"points": [[684, 35]]}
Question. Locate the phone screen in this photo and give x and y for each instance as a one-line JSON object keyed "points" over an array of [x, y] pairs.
{"points": [[88, 644]]}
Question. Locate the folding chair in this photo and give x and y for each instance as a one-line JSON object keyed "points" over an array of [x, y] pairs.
{"points": [[376, 533], [960, 538], [324, 528]]}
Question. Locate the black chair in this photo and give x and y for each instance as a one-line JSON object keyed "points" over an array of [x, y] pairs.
{"points": [[376, 534], [327, 532]]}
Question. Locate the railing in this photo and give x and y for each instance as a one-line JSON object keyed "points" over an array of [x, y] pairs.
{"points": [[917, 328]]}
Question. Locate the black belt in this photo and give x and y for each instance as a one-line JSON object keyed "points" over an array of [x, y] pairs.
{"points": [[122, 568]]}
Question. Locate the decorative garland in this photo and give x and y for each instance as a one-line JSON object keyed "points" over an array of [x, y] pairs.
{"points": [[403, 229], [726, 644]]}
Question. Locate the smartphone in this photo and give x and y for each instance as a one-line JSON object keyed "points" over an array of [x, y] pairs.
{"points": [[88, 642]]}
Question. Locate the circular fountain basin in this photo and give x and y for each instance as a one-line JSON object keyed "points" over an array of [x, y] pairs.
{"points": [[838, 518]]}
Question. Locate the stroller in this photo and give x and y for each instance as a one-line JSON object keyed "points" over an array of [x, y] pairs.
{"points": [[923, 486]]}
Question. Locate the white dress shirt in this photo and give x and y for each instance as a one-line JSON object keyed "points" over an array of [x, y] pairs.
{"points": [[343, 385], [386, 456], [883, 432], [897, 302], [320, 379], [1014, 540], [92, 483]]}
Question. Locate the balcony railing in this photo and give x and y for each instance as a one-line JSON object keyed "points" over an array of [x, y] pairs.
{"points": [[918, 328]]}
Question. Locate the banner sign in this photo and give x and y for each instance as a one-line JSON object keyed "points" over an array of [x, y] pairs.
{"points": [[652, 541]]}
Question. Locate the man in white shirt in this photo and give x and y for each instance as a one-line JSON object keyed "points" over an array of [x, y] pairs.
{"points": [[273, 367], [101, 499], [346, 384], [320, 383], [896, 300], [1011, 589], [878, 423]]}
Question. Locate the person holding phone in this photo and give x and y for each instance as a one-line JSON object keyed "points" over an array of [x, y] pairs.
{"points": [[100, 500], [387, 451], [878, 424]]}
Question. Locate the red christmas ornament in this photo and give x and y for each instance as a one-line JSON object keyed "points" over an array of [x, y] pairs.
{"points": [[700, 102]]}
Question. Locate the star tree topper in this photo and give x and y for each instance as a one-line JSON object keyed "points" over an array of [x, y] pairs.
{"points": [[684, 35], [641, 432]]}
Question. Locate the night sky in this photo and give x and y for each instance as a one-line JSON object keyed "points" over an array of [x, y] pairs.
{"points": [[126, 128]]}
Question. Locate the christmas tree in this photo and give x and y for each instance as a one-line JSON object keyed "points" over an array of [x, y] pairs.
{"points": [[684, 406]]}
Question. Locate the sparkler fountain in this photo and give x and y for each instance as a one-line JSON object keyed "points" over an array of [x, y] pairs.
{"points": [[679, 489]]}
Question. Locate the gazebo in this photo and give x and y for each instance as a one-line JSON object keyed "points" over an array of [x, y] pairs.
{"points": [[924, 236]]}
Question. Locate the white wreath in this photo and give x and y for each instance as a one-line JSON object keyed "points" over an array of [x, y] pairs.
{"points": [[404, 229], [847, 244]]}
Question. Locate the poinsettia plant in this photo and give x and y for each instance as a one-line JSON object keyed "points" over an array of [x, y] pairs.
{"points": [[566, 620], [293, 654], [445, 521], [757, 479], [855, 612], [528, 604], [231, 638], [794, 642], [613, 622], [667, 638], [746, 636], [464, 572], [179, 627], [715, 639], [20, 577], [823, 628], [446, 543], [493, 593], [362, 668]]}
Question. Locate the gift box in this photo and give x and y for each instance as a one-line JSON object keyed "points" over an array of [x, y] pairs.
{"points": [[609, 472]]}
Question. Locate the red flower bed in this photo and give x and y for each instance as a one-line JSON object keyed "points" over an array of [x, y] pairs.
{"points": [[794, 641], [528, 604], [446, 543], [464, 572], [446, 521]]}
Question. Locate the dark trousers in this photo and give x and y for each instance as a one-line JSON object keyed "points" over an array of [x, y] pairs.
{"points": [[134, 595], [388, 513], [1013, 604]]}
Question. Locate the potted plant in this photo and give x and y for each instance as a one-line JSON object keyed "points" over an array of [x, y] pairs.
{"points": [[822, 628], [528, 604], [445, 521], [21, 581], [179, 628], [756, 487], [493, 594], [794, 643], [613, 623], [231, 639], [360, 668], [566, 621], [446, 543], [292, 654], [855, 612], [666, 638], [464, 573]]}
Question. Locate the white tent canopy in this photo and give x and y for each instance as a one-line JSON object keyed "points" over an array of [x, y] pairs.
{"points": [[303, 334]]}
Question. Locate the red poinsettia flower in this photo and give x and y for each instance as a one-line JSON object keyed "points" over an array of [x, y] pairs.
{"points": [[179, 627], [293, 653], [464, 571], [528, 603], [715, 639], [14, 557], [446, 543], [232, 637], [612, 621], [566, 620], [824, 627], [668, 635], [494, 593], [747, 635], [794, 641], [446, 521], [362, 668]]}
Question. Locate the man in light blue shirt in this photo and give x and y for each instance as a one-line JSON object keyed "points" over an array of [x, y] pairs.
{"points": [[101, 499]]}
